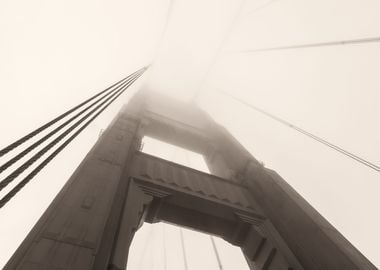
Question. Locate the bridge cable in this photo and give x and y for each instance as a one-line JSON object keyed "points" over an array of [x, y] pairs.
{"points": [[314, 137], [183, 249], [164, 245], [216, 252], [27, 164], [225, 38], [145, 247], [20, 141], [312, 45], [50, 134], [34, 172], [259, 8], [169, 13]]}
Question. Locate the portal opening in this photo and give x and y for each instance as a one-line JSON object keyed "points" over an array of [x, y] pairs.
{"points": [[159, 246], [174, 154]]}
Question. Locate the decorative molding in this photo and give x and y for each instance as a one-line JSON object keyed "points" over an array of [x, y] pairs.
{"points": [[254, 219], [152, 191]]}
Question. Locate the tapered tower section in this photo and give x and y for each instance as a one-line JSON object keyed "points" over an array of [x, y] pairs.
{"points": [[92, 221]]}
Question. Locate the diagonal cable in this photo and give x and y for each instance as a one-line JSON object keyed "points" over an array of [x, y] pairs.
{"points": [[20, 141], [47, 136], [310, 135], [313, 45], [225, 38], [263, 6], [32, 174], [39, 154]]}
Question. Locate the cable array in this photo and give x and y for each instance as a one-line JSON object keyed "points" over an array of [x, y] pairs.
{"points": [[106, 101], [60, 127], [27, 137]]}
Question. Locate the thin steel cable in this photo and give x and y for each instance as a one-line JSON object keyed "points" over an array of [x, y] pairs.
{"points": [[183, 249], [290, 125], [164, 245], [218, 52], [165, 28], [145, 247], [20, 141], [39, 154], [168, 17], [313, 45], [216, 253], [47, 136], [32, 174], [263, 6]]}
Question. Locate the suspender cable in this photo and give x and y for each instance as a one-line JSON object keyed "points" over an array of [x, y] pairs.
{"points": [[47, 136], [218, 52], [164, 245], [148, 239], [27, 164], [313, 45], [45, 126], [263, 6], [216, 253], [183, 249], [165, 28], [314, 137], [32, 174]]}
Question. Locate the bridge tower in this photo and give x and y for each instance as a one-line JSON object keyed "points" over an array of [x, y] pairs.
{"points": [[91, 222]]}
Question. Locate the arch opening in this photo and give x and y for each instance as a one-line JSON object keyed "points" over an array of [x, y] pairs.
{"points": [[158, 246]]}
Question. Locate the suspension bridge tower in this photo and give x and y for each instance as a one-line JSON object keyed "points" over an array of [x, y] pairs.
{"points": [[92, 221]]}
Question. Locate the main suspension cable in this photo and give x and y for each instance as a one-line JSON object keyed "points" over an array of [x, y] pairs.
{"points": [[28, 163], [312, 45], [316, 138], [20, 141], [60, 127]]}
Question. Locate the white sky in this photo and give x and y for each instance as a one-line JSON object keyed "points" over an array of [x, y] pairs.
{"points": [[54, 54]]}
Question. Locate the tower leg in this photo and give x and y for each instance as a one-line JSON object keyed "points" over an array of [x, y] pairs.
{"points": [[132, 218], [78, 229]]}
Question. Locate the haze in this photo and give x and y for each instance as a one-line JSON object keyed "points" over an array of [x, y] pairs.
{"points": [[54, 54]]}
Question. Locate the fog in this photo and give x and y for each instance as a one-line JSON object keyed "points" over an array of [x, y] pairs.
{"points": [[54, 54]]}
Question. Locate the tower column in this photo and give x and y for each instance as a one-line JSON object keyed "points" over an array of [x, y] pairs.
{"points": [[134, 212], [80, 224]]}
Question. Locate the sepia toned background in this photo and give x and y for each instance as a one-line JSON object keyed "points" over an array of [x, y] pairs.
{"points": [[56, 53]]}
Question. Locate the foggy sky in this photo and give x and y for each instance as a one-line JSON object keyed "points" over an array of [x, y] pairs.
{"points": [[54, 54]]}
